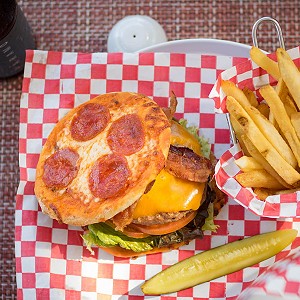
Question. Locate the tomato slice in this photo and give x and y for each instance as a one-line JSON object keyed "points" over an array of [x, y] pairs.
{"points": [[218, 262], [129, 231], [166, 227], [135, 233]]}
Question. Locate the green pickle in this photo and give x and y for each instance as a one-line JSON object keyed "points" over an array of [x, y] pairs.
{"points": [[219, 261]]}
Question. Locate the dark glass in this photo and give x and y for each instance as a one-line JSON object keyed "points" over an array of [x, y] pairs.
{"points": [[15, 37]]}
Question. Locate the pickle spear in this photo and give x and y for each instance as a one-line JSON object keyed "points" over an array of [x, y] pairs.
{"points": [[219, 261]]}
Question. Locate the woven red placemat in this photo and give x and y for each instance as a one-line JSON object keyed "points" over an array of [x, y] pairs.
{"points": [[83, 26]]}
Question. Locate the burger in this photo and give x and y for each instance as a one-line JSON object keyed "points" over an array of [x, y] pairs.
{"points": [[137, 180]]}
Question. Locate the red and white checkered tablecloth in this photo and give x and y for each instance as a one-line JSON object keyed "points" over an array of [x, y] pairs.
{"points": [[51, 260]]}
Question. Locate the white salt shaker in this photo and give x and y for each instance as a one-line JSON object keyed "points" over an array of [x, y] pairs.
{"points": [[134, 33]]}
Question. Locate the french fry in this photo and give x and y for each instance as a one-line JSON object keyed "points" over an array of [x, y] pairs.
{"points": [[273, 121], [289, 105], [289, 73], [238, 133], [264, 125], [284, 169], [272, 135], [261, 160], [263, 193], [283, 93], [250, 96], [282, 192], [248, 163], [266, 63], [264, 109], [258, 179], [295, 120], [230, 89], [281, 89], [282, 119]]}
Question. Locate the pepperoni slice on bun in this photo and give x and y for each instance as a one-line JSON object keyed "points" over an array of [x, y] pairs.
{"points": [[60, 168], [89, 121]]}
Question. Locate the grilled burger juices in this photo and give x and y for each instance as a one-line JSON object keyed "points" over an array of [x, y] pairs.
{"points": [[136, 179]]}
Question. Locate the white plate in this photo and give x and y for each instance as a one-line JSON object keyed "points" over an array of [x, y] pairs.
{"points": [[203, 46]]}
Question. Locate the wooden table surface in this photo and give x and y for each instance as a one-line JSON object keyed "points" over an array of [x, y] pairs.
{"points": [[83, 26]]}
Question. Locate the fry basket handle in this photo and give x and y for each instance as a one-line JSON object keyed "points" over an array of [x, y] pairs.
{"points": [[255, 43], [275, 23]]}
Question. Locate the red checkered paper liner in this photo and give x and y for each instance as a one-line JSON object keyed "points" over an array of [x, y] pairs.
{"points": [[248, 74], [279, 280], [51, 260]]}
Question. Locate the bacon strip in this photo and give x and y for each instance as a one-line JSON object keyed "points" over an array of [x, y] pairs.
{"points": [[125, 217], [170, 111], [184, 163]]}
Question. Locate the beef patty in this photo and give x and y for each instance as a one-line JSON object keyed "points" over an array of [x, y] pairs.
{"points": [[161, 218]]}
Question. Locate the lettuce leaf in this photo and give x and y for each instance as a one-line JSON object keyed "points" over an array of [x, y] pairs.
{"points": [[103, 235], [205, 145], [209, 221], [90, 240]]}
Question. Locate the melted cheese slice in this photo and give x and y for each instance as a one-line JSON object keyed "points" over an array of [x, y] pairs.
{"points": [[169, 193], [181, 137]]}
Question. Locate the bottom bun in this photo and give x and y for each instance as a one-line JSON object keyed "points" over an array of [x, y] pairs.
{"points": [[121, 252]]}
